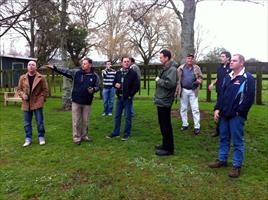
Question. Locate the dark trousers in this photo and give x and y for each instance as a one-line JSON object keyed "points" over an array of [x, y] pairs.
{"points": [[164, 120]]}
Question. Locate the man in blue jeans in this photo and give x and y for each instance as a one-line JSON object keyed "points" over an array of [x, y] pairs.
{"points": [[235, 99], [108, 91], [33, 90], [127, 85]]}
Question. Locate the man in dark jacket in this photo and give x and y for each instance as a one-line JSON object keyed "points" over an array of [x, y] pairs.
{"points": [[222, 71], [85, 84], [166, 83], [235, 99], [127, 85]]}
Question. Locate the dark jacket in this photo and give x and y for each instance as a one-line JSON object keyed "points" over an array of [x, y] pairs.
{"points": [[236, 96], [221, 73], [166, 85], [130, 86], [81, 82]]}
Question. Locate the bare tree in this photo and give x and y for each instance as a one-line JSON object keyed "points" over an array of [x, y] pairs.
{"points": [[85, 12], [148, 34], [172, 39], [114, 35], [185, 11], [34, 23], [11, 14], [199, 42]]}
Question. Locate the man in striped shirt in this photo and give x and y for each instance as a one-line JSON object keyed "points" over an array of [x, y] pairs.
{"points": [[108, 75]]}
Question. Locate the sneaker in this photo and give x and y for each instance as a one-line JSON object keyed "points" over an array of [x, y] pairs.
{"points": [[87, 139], [125, 138], [103, 114], [217, 164], [183, 128], [42, 141], [235, 172], [110, 114], [112, 136], [197, 131], [27, 143]]}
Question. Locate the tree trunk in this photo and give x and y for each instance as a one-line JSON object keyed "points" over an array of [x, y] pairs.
{"points": [[32, 29], [187, 28], [32, 42], [66, 96]]}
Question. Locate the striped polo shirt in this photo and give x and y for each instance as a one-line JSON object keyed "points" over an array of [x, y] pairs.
{"points": [[108, 76]]}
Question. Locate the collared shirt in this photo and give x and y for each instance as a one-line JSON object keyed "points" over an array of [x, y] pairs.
{"points": [[240, 73], [188, 77]]}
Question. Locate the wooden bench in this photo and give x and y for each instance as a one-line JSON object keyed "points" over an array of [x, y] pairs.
{"points": [[11, 97]]}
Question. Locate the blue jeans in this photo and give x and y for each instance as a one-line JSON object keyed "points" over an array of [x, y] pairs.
{"points": [[28, 115], [232, 128], [108, 100], [120, 105]]}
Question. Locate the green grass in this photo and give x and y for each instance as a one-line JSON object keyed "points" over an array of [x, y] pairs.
{"points": [[111, 169]]}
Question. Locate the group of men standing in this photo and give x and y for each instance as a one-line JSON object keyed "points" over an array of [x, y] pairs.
{"points": [[235, 89]]}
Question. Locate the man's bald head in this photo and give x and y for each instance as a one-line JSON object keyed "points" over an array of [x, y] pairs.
{"points": [[31, 67]]}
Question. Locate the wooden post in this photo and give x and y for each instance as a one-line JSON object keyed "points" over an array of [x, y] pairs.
{"points": [[148, 81], [9, 82], [258, 85], [208, 82], [144, 77]]}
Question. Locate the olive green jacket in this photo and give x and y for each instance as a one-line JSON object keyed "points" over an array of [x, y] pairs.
{"points": [[166, 85]]}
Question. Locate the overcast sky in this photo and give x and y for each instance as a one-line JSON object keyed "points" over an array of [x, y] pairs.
{"points": [[239, 27]]}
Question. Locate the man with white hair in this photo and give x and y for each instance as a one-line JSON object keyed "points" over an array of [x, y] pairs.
{"points": [[33, 89]]}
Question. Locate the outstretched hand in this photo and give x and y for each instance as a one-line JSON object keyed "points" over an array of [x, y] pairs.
{"points": [[49, 66]]}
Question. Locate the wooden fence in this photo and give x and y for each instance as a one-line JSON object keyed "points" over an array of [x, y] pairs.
{"points": [[9, 78]]}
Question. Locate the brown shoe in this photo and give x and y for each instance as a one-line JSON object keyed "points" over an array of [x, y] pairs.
{"points": [[217, 164], [235, 172]]}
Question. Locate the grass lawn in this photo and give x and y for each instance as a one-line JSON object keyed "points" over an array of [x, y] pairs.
{"points": [[112, 169]]}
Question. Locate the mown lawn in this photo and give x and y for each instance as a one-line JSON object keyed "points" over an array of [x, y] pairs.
{"points": [[112, 169]]}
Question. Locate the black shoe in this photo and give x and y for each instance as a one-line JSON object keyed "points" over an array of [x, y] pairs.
{"points": [[162, 152], [215, 134], [125, 138], [112, 136], [183, 128], [158, 147], [77, 142], [197, 131]]}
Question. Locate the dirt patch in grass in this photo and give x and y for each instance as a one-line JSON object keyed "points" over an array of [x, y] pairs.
{"points": [[79, 177], [204, 114]]}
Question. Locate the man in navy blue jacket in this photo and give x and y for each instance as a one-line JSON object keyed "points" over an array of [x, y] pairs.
{"points": [[222, 71], [85, 84], [127, 85], [235, 99]]}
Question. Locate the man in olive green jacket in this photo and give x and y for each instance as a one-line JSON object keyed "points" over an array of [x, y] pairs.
{"points": [[164, 97]]}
